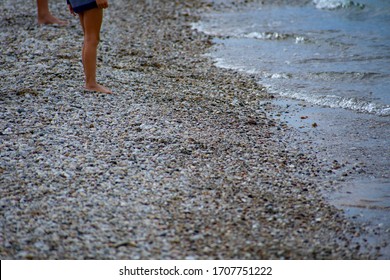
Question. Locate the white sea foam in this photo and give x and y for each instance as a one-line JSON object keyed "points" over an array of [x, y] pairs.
{"points": [[335, 4], [334, 101], [232, 33], [266, 35]]}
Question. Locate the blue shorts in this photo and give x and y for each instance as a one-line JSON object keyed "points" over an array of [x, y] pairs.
{"points": [[80, 6]]}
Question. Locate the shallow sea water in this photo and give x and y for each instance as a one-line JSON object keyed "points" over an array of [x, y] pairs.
{"points": [[336, 57]]}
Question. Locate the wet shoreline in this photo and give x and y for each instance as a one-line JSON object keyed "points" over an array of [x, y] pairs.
{"points": [[355, 144]]}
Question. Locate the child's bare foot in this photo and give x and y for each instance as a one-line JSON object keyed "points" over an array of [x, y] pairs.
{"points": [[98, 88], [50, 19]]}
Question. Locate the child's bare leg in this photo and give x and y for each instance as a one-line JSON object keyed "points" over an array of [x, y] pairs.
{"points": [[44, 15], [91, 21]]}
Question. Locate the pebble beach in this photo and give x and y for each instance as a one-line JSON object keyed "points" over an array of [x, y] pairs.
{"points": [[182, 161]]}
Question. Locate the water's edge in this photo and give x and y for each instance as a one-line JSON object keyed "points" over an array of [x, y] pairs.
{"points": [[360, 185], [355, 141]]}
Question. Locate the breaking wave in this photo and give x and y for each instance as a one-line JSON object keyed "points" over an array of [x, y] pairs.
{"points": [[336, 4]]}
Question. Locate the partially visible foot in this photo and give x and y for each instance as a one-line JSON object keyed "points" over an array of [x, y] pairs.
{"points": [[98, 88], [50, 19]]}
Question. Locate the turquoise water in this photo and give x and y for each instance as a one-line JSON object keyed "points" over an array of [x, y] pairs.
{"points": [[332, 53]]}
